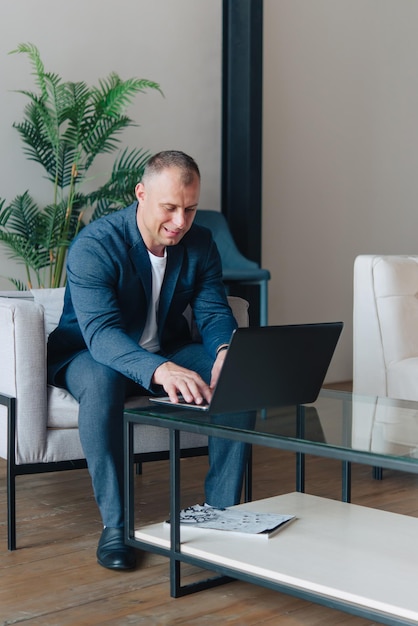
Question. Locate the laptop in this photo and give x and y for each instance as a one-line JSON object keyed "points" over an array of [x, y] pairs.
{"points": [[271, 366]]}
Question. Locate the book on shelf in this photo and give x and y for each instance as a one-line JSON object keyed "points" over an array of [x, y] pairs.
{"points": [[235, 520]]}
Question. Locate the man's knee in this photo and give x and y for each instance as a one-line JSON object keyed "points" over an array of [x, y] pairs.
{"points": [[86, 377], [101, 377]]}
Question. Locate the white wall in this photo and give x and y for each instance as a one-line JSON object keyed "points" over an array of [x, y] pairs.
{"points": [[340, 151], [175, 43], [340, 158]]}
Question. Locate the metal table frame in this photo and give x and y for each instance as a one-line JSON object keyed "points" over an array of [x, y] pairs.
{"points": [[298, 445]]}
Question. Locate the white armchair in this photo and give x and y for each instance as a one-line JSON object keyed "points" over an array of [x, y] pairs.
{"points": [[38, 422], [385, 352], [385, 326]]}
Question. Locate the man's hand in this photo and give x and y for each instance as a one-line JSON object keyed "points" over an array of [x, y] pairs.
{"points": [[179, 380], [216, 369]]}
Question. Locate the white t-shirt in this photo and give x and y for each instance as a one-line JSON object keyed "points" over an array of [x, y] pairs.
{"points": [[149, 340]]}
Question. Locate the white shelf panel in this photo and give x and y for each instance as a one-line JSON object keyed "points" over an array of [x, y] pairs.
{"points": [[359, 555]]}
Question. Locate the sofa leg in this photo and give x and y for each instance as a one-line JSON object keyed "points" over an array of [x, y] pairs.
{"points": [[10, 404], [377, 473], [11, 510]]}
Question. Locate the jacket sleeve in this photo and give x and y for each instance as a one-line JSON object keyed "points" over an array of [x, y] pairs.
{"points": [[95, 275], [211, 310]]}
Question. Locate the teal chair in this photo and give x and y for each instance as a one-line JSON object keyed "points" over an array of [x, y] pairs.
{"points": [[236, 268]]}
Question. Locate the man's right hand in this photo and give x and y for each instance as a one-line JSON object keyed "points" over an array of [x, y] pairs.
{"points": [[178, 380]]}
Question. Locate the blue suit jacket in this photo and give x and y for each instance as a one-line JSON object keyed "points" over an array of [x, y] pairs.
{"points": [[109, 289]]}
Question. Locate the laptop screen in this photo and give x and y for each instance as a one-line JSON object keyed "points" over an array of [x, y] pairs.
{"points": [[272, 366]]}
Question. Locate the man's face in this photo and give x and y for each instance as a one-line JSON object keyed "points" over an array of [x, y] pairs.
{"points": [[166, 209]]}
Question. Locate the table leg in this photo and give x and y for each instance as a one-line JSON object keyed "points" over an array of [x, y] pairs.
{"points": [[176, 588], [300, 457]]}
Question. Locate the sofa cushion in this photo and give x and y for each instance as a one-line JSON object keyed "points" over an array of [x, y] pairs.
{"points": [[63, 407], [52, 301]]}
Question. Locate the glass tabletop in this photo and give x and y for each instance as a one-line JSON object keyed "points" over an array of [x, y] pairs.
{"points": [[339, 424]]}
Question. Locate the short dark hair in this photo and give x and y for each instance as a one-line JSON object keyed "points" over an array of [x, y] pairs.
{"points": [[172, 158]]}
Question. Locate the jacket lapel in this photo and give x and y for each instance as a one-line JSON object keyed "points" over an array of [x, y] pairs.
{"points": [[140, 259], [175, 256], [137, 250]]}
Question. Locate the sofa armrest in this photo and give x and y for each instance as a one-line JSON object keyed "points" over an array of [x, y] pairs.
{"points": [[239, 308], [23, 376], [385, 325], [369, 371]]}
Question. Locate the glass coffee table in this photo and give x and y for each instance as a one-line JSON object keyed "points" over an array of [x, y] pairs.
{"points": [[353, 558]]}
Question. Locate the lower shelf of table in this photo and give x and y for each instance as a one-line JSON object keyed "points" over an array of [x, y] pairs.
{"points": [[348, 553]]}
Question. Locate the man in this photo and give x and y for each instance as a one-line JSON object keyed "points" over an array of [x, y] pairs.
{"points": [[130, 276]]}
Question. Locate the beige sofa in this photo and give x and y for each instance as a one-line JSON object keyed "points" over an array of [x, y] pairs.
{"points": [[38, 422]]}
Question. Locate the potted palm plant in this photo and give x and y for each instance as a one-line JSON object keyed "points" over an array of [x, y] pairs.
{"points": [[66, 127]]}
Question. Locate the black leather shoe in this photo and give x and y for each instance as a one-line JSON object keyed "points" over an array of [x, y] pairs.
{"points": [[112, 552]]}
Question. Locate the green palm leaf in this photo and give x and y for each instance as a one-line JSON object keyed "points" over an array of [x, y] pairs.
{"points": [[19, 285], [119, 191], [23, 213], [33, 53], [114, 94], [4, 213], [22, 250], [66, 126]]}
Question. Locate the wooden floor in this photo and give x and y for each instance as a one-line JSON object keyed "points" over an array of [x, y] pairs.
{"points": [[53, 579]]}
